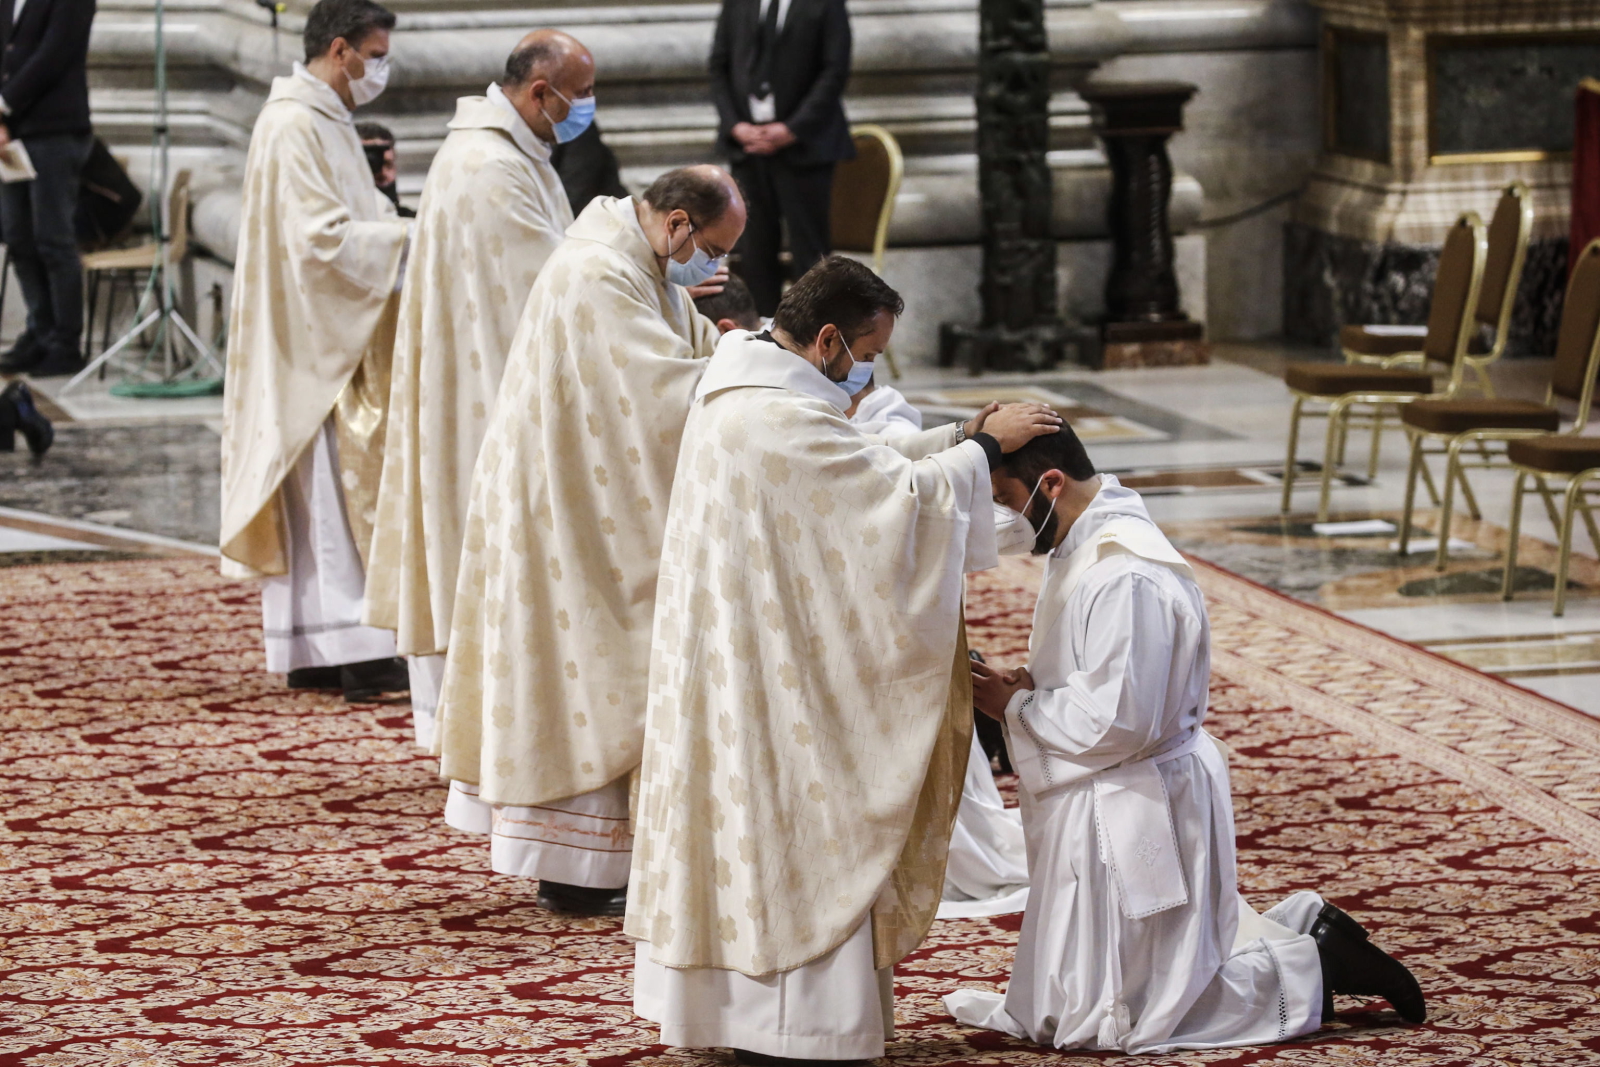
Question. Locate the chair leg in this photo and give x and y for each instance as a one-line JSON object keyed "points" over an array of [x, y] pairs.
{"points": [[1377, 442], [1513, 532], [1411, 491], [1466, 491], [1452, 475], [1294, 443], [1564, 553], [1451, 468], [91, 293], [1336, 425], [1588, 520], [1551, 511]]}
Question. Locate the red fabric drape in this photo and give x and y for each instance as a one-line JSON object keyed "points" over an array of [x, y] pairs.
{"points": [[1585, 170]]}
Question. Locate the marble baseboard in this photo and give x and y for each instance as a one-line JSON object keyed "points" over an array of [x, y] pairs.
{"points": [[1331, 281]]}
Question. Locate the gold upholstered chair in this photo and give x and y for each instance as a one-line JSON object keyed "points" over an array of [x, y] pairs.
{"points": [[128, 267], [1567, 455], [1479, 422], [864, 189], [1393, 346], [1339, 388]]}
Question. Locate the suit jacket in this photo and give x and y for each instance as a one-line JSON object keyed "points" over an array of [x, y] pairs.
{"points": [[43, 66], [809, 71]]}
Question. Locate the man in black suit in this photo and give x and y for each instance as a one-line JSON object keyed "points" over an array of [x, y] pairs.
{"points": [[44, 103], [778, 70]]}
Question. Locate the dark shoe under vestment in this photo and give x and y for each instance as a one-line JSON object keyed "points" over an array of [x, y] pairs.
{"points": [[36, 429], [761, 1059], [22, 355], [315, 678], [58, 363], [1353, 966], [366, 681], [581, 899]]}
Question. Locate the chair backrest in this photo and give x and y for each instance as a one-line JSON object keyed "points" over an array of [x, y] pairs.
{"points": [[178, 214], [1578, 339], [1502, 268], [864, 189], [1455, 294]]}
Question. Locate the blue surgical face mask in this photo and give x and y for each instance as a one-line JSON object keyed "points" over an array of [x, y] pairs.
{"points": [[580, 113], [699, 268], [860, 373]]}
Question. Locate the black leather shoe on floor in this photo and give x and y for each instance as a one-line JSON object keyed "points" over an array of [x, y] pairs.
{"points": [[581, 899], [58, 363], [363, 682], [34, 426], [21, 356], [315, 678], [761, 1059], [1353, 966]]}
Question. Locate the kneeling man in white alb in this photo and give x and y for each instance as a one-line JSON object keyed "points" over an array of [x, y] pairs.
{"points": [[1135, 937]]}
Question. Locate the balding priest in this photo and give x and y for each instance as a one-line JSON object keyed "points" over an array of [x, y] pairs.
{"points": [[810, 700], [492, 212], [542, 709], [310, 336], [1136, 939]]}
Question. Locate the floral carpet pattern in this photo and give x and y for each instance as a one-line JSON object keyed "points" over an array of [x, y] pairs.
{"points": [[199, 867]]}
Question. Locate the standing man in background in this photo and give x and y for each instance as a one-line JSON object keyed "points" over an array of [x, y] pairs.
{"points": [[778, 71], [377, 141], [493, 210], [310, 337], [44, 103]]}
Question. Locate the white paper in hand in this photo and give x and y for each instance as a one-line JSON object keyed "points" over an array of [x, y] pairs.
{"points": [[15, 164]]}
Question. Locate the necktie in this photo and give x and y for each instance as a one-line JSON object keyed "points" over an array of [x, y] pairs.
{"points": [[766, 49]]}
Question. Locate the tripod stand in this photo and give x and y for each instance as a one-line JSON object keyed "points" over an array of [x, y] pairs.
{"points": [[178, 351]]}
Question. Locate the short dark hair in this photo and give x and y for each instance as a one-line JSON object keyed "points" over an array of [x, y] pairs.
{"points": [[351, 19], [734, 302], [375, 132], [840, 291], [688, 189], [1061, 451], [531, 61]]}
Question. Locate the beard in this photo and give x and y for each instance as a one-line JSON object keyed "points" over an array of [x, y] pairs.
{"points": [[1045, 540]]}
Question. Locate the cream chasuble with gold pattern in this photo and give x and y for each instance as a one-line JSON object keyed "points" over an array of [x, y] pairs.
{"points": [[492, 212], [544, 691], [810, 697], [312, 319]]}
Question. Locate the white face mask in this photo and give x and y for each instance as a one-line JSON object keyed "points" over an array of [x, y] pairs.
{"points": [[367, 88], [1013, 533]]}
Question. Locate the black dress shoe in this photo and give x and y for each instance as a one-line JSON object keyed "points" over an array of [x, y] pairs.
{"points": [[761, 1059], [366, 681], [1353, 966], [21, 356], [315, 678], [8, 424], [57, 363], [581, 899], [35, 427]]}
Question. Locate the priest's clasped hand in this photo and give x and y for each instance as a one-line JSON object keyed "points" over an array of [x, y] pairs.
{"points": [[992, 690], [1014, 425]]}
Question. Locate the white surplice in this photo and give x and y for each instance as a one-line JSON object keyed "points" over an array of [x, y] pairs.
{"points": [[311, 616], [1136, 938], [885, 411]]}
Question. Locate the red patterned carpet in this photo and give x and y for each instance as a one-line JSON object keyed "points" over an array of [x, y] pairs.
{"points": [[199, 868]]}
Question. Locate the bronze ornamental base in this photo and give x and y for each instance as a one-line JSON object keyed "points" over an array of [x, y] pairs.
{"points": [[1128, 345]]}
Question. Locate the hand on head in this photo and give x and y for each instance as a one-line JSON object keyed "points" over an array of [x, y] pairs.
{"points": [[1014, 425]]}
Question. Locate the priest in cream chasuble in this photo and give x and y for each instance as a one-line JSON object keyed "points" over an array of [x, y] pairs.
{"points": [[309, 341], [542, 710], [492, 212], [810, 703]]}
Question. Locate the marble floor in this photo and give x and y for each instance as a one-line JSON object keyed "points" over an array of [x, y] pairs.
{"points": [[1205, 444]]}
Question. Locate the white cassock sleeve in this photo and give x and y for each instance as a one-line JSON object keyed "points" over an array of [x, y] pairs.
{"points": [[1121, 630]]}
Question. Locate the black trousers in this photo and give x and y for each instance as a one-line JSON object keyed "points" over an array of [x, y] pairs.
{"points": [[36, 222], [776, 195]]}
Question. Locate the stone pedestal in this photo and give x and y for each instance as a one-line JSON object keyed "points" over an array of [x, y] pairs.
{"points": [[1145, 326], [1431, 107]]}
